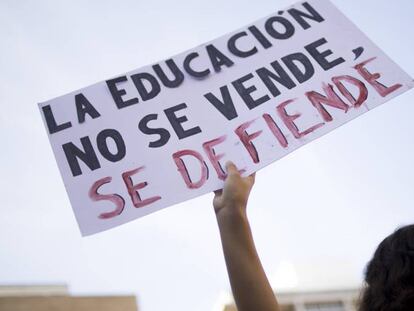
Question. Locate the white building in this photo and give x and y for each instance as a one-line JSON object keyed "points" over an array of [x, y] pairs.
{"points": [[329, 300]]}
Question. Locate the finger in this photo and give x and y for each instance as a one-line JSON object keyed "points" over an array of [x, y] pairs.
{"points": [[231, 168], [242, 171], [218, 192], [253, 177], [250, 179]]}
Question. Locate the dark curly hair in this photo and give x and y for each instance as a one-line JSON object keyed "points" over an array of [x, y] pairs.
{"points": [[389, 275]]}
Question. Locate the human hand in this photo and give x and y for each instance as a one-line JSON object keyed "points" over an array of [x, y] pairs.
{"points": [[235, 194]]}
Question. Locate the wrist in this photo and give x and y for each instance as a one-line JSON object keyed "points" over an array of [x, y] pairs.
{"points": [[232, 214]]}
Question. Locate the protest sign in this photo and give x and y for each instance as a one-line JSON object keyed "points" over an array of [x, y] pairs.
{"points": [[159, 135]]}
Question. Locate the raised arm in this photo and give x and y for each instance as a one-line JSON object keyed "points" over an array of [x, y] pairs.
{"points": [[251, 289]]}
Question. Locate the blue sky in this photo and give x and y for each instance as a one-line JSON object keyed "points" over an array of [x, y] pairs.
{"points": [[317, 214]]}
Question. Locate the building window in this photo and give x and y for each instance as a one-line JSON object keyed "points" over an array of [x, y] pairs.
{"points": [[287, 307], [325, 306]]}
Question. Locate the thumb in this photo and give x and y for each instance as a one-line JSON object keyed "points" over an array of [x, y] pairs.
{"points": [[231, 168]]}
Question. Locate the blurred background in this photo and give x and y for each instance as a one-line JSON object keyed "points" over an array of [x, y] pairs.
{"points": [[317, 215]]}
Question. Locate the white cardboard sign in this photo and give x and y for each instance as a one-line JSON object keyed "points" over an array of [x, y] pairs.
{"points": [[160, 135]]}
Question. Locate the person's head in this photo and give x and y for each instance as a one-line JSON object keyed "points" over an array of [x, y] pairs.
{"points": [[389, 275]]}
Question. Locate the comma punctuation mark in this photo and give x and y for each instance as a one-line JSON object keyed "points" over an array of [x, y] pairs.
{"points": [[358, 52]]}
